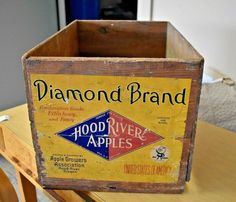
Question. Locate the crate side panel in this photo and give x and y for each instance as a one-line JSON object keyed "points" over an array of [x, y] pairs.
{"points": [[62, 44], [178, 47], [122, 39], [139, 69]]}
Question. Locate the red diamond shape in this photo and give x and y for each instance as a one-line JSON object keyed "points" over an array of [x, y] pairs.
{"points": [[123, 130]]}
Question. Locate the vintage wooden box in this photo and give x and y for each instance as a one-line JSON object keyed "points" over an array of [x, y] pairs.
{"points": [[113, 106]]}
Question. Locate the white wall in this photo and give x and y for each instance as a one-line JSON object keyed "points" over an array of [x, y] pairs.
{"points": [[210, 25], [23, 23]]}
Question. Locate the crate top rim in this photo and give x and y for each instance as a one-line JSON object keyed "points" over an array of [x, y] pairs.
{"points": [[110, 59], [27, 55]]}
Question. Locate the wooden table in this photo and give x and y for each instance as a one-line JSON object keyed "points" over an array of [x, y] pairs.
{"points": [[213, 176]]}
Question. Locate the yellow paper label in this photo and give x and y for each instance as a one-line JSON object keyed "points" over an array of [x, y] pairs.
{"points": [[110, 128]]}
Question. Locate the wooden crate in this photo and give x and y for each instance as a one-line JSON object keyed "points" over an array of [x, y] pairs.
{"points": [[113, 106]]}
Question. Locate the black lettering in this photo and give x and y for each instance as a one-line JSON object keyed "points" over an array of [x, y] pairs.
{"points": [[154, 97], [51, 91], [59, 94], [135, 94], [169, 96], [180, 97], [100, 95], [42, 88], [92, 94], [115, 95], [73, 93], [144, 96]]}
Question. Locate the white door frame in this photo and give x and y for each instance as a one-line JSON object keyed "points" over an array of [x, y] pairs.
{"points": [[144, 10]]}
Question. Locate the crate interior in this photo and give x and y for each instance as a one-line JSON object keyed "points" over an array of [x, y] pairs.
{"points": [[117, 39]]}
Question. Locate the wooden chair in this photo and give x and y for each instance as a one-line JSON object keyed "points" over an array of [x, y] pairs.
{"points": [[7, 191]]}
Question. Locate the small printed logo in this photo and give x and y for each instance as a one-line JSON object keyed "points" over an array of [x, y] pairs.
{"points": [[160, 153], [109, 135]]}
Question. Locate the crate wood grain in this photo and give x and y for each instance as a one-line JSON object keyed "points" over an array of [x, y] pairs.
{"points": [[89, 55]]}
